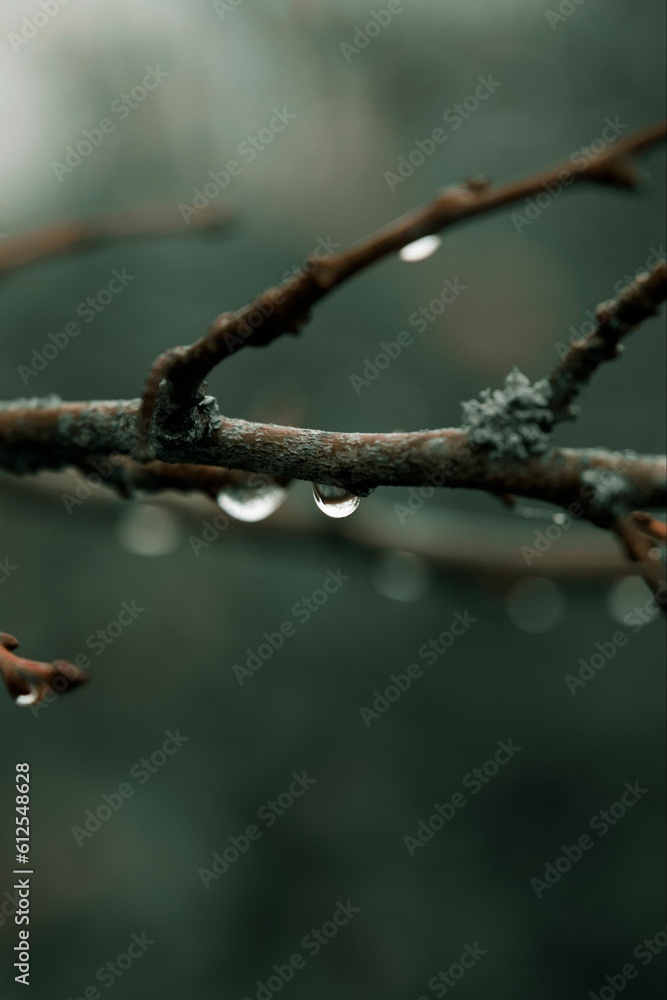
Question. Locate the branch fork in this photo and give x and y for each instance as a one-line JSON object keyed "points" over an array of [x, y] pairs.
{"points": [[175, 436]]}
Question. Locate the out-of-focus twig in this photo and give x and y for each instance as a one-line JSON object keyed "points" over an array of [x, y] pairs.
{"points": [[29, 681], [79, 236], [651, 526], [641, 549]]}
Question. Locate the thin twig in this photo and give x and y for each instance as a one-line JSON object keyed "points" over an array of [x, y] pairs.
{"points": [[82, 235], [651, 526], [29, 681], [486, 546], [639, 301], [128, 476], [286, 308], [641, 549]]}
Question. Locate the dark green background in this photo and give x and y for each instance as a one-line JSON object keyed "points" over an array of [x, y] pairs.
{"points": [[323, 177]]}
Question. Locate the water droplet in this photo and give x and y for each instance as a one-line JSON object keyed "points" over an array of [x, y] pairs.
{"points": [[28, 699], [148, 530], [420, 249], [401, 576], [535, 605], [334, 501], [560, 518], [630, 595], [251, 503]]}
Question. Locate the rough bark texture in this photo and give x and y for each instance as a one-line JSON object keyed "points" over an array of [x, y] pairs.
{"points": [[174, 437]]}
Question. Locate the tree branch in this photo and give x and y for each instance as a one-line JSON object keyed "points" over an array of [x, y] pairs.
{"points": [[651, 526], [82, 235], [641, 549], [127, 476], [286, 308], [615, 319], [48, 436], [28, 681], [503, 447]]}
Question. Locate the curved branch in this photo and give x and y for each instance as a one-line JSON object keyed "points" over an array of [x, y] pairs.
{"points": [[286, 308], [504, 447], [639, 301]]}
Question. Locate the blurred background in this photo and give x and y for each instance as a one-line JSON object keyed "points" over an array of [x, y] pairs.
{"points": [[363, 83]]}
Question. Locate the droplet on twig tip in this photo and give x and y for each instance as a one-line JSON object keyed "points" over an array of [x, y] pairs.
{"points": [[335, 501], [420, 249], [251, 503]]}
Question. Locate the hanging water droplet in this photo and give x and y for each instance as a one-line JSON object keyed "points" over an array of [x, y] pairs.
{"points": [[251, 503], [335, 501], [559, 518], [420, 249], [28, 699]]}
